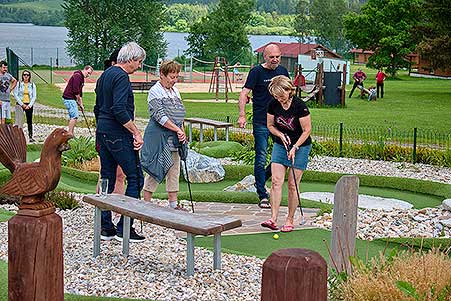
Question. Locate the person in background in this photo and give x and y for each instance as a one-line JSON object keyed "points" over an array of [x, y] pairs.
{"points": [[7, 84], [257, 82], [164, 134], [290, 126], [380, 78], [25, 95], [117, 135], [72, 95], [358, 77]]}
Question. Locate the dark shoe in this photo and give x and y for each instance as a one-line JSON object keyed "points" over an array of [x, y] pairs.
{"points": [[264, 204], [31, 140], [107, 234], [134, 237]]}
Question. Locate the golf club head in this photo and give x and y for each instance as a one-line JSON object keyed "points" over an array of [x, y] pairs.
{"points": [[302, 221]]}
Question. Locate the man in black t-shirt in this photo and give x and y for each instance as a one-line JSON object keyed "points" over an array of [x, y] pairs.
{"points": [[257, 81]]}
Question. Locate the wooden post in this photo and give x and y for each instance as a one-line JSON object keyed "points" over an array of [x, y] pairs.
{"points": [[344, 223], [294, 274], [35, 256], [343, 87]]}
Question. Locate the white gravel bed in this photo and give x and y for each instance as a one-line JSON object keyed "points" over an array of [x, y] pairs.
{"points": [[155, 269], [372, 224], [381, 168]]}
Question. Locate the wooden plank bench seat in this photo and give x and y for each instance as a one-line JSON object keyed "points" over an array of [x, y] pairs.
{"points": [[142, 86], [204, 121], [191, 223]]}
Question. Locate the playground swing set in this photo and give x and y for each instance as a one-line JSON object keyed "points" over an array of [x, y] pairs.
{"points": [[328, 88]]}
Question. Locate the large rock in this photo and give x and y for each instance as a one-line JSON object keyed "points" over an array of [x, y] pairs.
{"points": [[447, 204], [245, 185], [203, 169]]}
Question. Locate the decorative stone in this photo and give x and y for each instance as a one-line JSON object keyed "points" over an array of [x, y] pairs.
{"points": [[447, 204], [202, 169], [245, 185], [446, 223]]}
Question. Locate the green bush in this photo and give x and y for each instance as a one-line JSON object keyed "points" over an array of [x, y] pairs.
{"points": [[82, 149], [217, 149], [62, 199]]}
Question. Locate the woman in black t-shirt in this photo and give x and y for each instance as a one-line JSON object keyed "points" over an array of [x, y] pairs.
{"points": [[288, 120]]}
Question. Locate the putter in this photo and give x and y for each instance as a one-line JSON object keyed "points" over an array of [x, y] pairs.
{"points": [[86, 120], [303, 221], [183, 156]]}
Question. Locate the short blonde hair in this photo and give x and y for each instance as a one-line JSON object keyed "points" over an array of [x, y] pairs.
{"points": [[170, 67], [279, 84]]}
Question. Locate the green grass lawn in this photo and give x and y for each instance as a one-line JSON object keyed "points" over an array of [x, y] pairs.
{"points": [[407, 103], [41, 5]]}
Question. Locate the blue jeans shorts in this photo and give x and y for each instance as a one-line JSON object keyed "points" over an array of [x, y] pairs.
{"points": [[279, 155], [5, 110], [72, 108]]}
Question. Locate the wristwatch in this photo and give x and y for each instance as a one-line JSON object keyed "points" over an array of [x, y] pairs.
{"points": [[295, 147]]}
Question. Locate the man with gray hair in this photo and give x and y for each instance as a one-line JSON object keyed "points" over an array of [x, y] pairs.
{"points": [[118, 138]]}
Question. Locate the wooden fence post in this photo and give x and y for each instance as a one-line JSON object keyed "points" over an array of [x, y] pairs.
{"points": [[35, 256], [293, 275], [344, 223]]}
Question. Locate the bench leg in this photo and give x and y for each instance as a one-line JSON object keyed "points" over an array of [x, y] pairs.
{"points": [[201, 136], [217, 252], [190, 132], [189, 254], [126, 236], [97, 225], [227, 133], [215, 134]]}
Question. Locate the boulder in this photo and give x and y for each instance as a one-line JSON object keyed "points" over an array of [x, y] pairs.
{"points": [[202, 169], [245, 185], [447, 204]]}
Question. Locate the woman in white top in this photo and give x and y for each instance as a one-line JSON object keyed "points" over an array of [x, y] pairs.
{"points": [[25, 95]]}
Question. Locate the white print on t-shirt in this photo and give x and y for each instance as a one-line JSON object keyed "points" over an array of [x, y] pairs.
{"points": [[286, 123]]}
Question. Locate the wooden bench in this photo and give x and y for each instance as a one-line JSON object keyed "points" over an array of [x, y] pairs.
{"points": [[203, 121], [142, 86], [191, 223]]}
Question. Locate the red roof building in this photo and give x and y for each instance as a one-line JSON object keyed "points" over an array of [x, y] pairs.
{"points": [[290, 52]]}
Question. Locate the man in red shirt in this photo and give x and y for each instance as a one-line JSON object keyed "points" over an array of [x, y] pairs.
{"points": [[358, 77], [72, 95], [380, 77]]}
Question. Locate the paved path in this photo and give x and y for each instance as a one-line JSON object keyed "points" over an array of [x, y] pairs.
{"points": [[251, 215]]}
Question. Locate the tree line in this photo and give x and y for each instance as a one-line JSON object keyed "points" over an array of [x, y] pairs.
{"points": [[391, 28]]}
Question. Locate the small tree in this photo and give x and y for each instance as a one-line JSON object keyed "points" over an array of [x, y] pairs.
{"points": [[384, 27], [434, 33], [96, 27], [223, 31]]}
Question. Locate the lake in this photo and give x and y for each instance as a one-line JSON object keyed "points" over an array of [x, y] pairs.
{"points": [[38, 44]]}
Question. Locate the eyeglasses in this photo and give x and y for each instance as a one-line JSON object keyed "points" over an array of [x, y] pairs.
{"points": [[26, 74]]}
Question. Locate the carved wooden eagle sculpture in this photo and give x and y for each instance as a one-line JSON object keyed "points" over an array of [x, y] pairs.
{"points": [[33, 180]]}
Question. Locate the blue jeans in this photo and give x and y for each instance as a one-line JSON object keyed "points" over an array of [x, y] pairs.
{"points": [[118, 150], [261, 172]]}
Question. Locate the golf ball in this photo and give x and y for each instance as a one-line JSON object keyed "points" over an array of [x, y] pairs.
{"points": [[275, 236]]}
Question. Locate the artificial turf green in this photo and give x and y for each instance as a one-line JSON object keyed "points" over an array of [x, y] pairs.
{"points": [[263, 244], [5, 215]]}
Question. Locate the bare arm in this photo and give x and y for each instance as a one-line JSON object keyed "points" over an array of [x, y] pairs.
{"points": [[273, 130], [173, 127], [242, 104], [306, 125], [132, 128], [13, 84]]}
